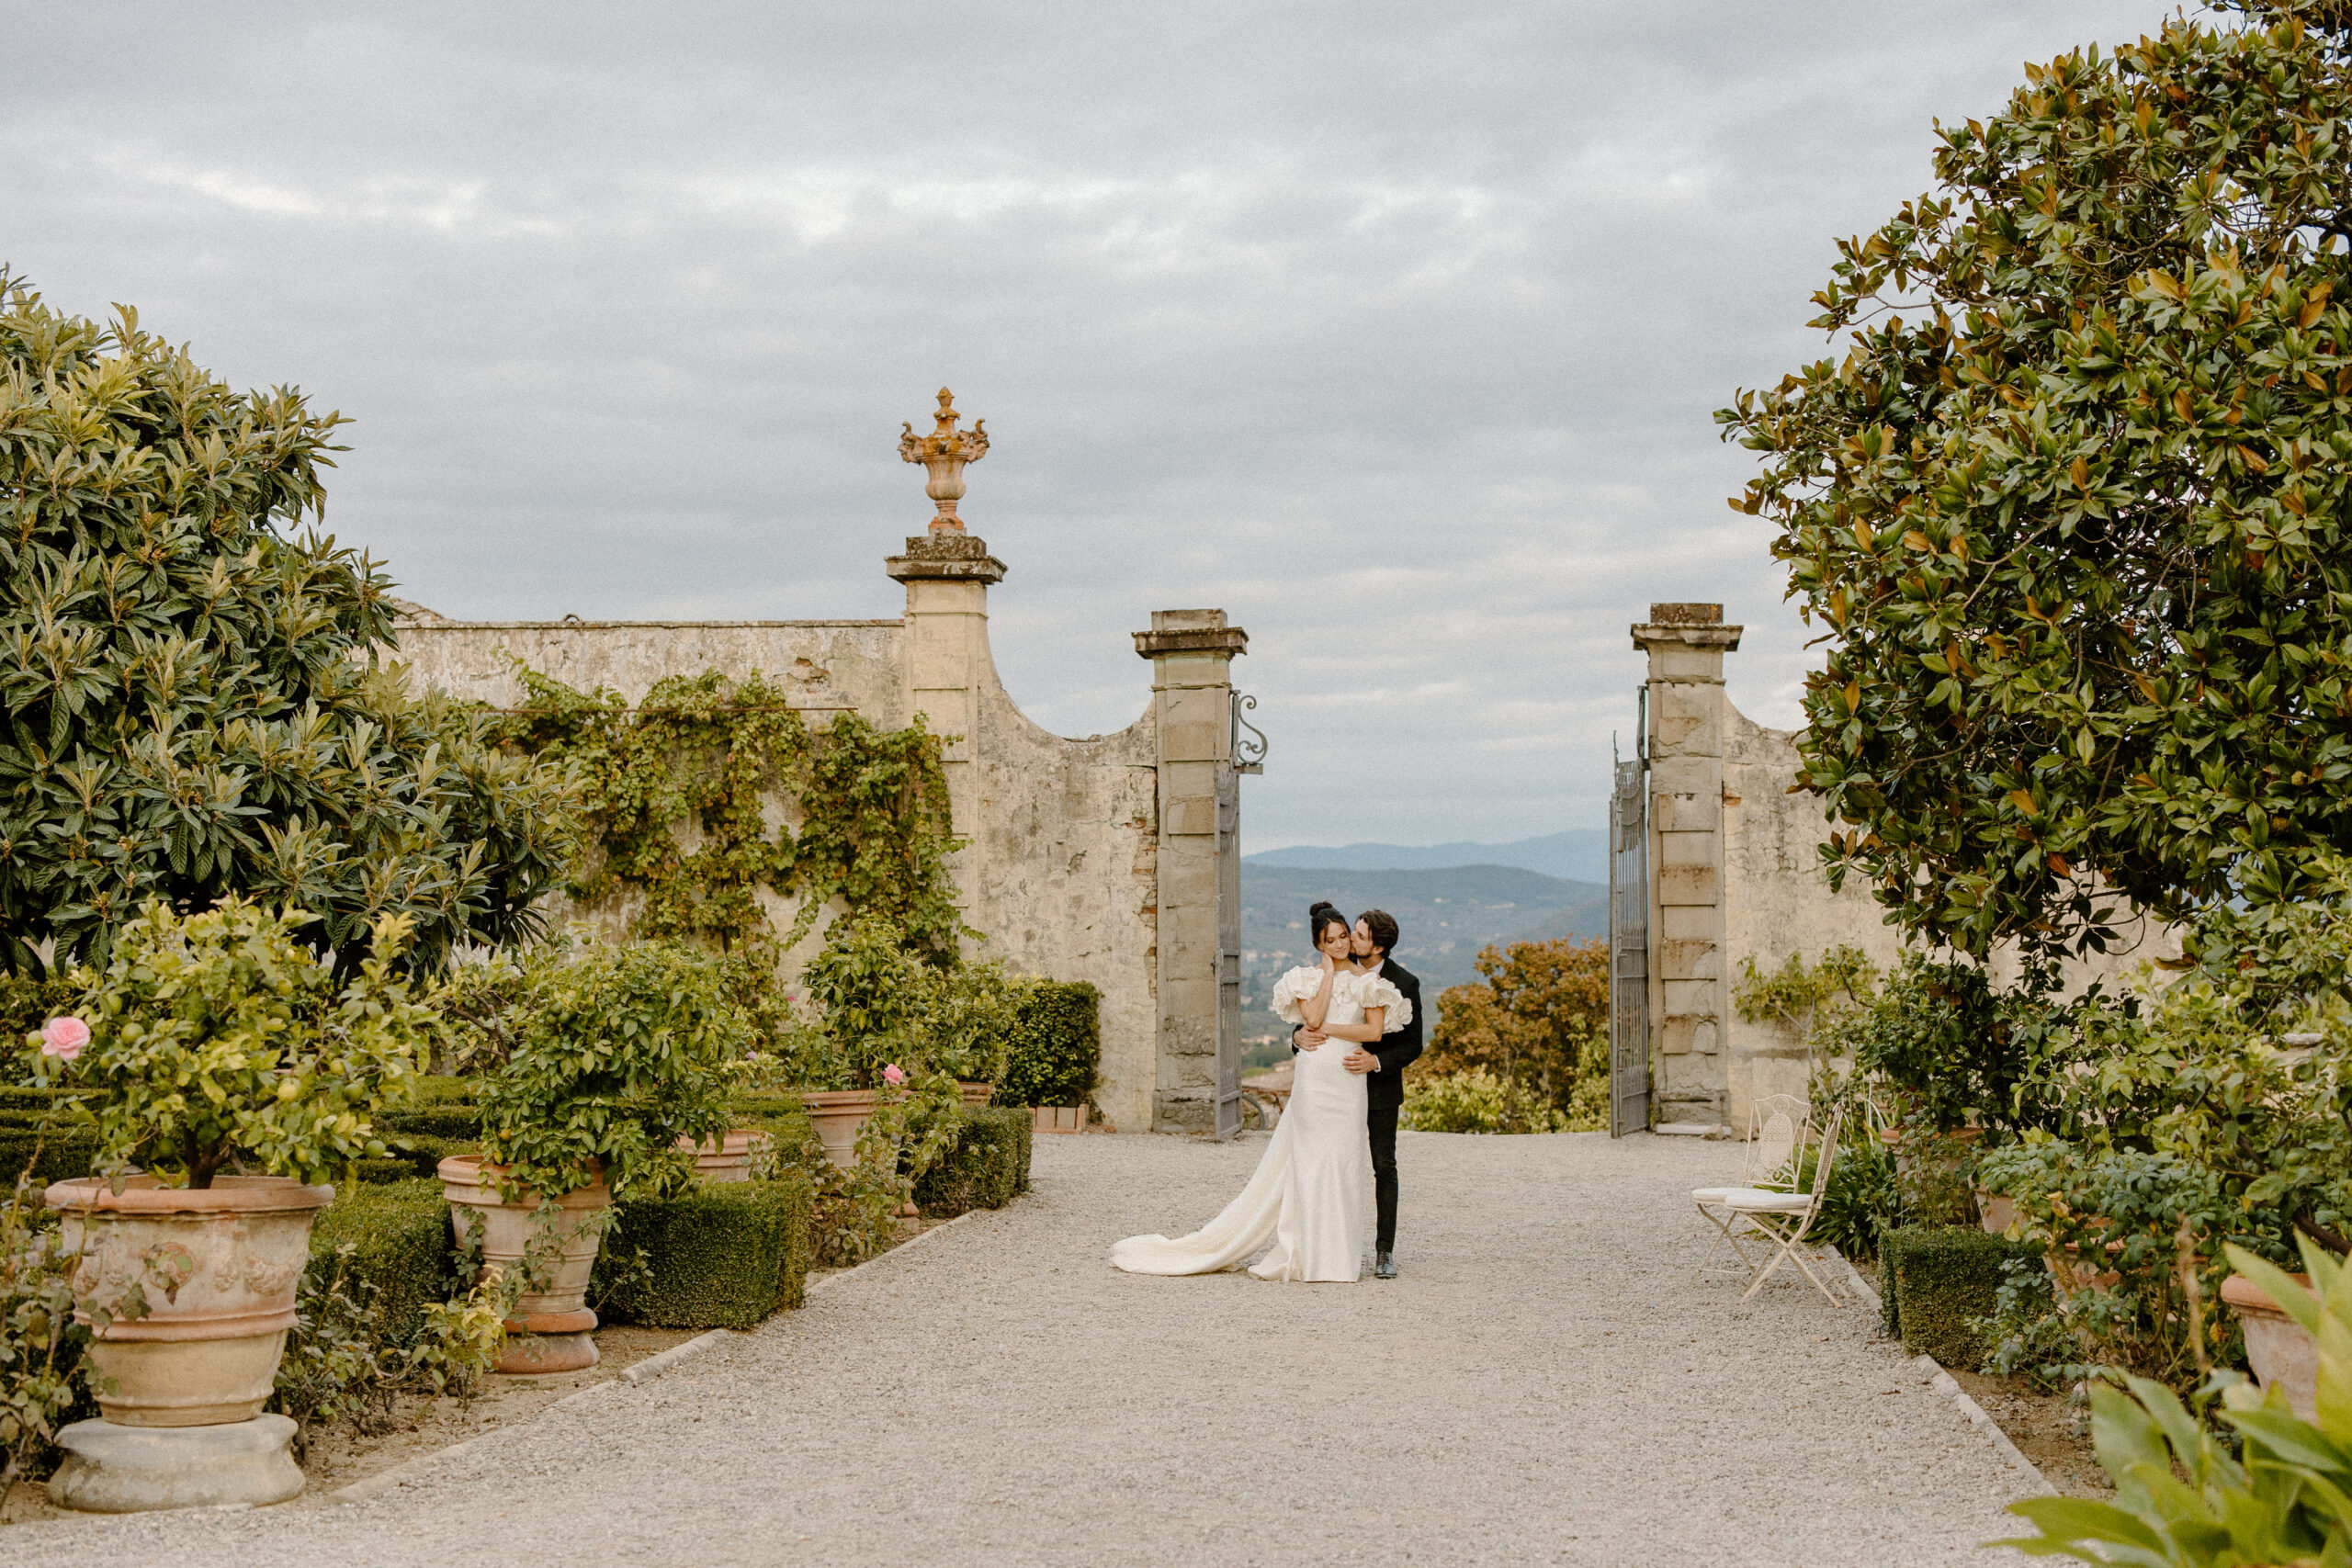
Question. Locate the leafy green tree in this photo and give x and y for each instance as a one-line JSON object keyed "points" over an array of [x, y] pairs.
{"points": [[192, 701], [1534, 1022], [2072, 506]]}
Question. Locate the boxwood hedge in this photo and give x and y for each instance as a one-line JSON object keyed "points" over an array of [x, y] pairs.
{"points": [[1935, 1279], [723, 1254], [403, 1252], [983, 1168]]}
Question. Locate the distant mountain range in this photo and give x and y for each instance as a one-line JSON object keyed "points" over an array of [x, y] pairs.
{"points": [[1445, 916], [1579, 854]]}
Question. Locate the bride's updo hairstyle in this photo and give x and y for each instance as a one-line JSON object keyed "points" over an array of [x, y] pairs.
{"points": [[1320, 914]]}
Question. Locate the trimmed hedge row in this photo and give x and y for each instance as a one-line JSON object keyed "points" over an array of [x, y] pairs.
{"points": [[403, 1254], [1055, 1049], [720, 1256], [1934, 1280], [986, 1164]]}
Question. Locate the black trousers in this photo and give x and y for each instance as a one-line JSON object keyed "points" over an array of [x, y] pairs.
{"points": [[1381, 1121]]}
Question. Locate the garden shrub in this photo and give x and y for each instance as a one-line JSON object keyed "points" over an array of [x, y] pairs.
{"points": [[1055, 1049], [2156, 1223], [721, 1255], [1476, 1101], [1538, 1020], [1937, 1286], [403, 1253], [983, 1168]]}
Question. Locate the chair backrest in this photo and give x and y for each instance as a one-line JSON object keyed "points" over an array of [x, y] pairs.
{"points": [[1776, 1129], [1828, 1156]]}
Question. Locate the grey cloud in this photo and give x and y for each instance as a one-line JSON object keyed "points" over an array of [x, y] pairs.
{"points": [[1393, 329]]}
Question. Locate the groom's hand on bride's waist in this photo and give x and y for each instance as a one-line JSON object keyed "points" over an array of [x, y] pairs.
{"points": [[1360, 1061], [1308, 1039]]}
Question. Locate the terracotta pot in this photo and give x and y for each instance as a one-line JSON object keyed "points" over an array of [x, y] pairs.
{"points": [[218, 1268], [550, 1330], [975, 1094], [1995, 1212], [2277, 1346], [724, 1159], [1060, 1119], [838, 1114]]}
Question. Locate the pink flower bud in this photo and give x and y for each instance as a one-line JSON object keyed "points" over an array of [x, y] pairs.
{"points": [[63, 1038], [893, 1077]]}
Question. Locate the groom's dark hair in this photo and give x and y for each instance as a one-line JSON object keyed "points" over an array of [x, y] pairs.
{"points": [[1383, 925]]}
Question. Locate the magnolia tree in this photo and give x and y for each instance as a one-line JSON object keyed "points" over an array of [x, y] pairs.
{"points": [[2071, 507], [193, 702]]}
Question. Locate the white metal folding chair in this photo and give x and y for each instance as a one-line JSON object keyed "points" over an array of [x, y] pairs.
{"points": [[1776, 1131], [1783, 1218]]}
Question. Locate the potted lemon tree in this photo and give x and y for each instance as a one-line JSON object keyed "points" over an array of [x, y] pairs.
{"points": [[228, 1072], [615, 1080]]}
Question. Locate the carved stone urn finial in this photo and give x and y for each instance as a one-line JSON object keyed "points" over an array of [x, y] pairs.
{"points": [[942, 453]]}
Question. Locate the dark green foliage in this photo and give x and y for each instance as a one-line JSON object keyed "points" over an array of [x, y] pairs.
{"points": [[403, 1252], [721, 1255], [194, 706], [2073, 507], [1057, 1046], [442, 1121], [55, 1146], [983, 1168], [1936, 1282]]}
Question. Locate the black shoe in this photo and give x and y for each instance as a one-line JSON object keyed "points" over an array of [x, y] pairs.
{"points": [[1384, 1266]]}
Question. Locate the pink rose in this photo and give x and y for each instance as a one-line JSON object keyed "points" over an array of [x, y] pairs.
{"points": [[63, 1038], [891, 1076]]}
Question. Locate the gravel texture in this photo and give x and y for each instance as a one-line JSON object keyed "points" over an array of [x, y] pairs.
{"points": [[1546, 1383]]}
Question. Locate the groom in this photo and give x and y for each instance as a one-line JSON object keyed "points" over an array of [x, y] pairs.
{"points": [[1375, 937]]}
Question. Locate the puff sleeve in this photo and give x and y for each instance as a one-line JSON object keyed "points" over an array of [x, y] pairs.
{"points": [[1372, 991], [1293, 989]]}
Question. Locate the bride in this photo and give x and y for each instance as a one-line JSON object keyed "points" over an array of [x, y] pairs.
{"points": [[1307, 1194]]}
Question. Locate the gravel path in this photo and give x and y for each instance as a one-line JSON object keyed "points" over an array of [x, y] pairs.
{"points": [[1545, 1384]]}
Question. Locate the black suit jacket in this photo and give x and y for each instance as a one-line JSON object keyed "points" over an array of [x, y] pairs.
{"points": [[1384, 1090]]}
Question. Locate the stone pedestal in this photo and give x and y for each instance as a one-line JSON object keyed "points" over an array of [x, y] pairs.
{"points": [[130, 1469]]}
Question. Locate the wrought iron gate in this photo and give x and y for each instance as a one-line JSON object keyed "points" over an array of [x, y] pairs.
{"points": [[1629, 949], [1228, 951]]}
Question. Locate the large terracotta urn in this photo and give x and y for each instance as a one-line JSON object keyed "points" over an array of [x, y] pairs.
{"points": [[838, 1115], [724, 1159], [2281, 1352], [218, 1268], [976, 1095], [549, 1332]]}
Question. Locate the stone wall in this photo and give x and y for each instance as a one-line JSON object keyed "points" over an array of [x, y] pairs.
{"points": [[1736, 876], [1070, 839]]}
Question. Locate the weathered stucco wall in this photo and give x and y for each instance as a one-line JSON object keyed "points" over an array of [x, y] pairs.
{"points": [[1067, 840], [1779, 903], [1063, 864], [821, 663]]}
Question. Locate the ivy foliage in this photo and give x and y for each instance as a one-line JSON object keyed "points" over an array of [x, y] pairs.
{"points": [[191, 704], [2071, 507], [672, 795]]}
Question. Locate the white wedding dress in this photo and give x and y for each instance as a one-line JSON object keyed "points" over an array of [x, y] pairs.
{"points": [[1307, 1194]]}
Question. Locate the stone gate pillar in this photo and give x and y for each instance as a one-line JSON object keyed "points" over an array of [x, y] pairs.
{"points": [[947, 572], [1192, 655], [1690, 991]]}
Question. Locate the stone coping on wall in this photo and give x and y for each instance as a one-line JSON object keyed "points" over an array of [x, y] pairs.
{"points": [[440, 623]]}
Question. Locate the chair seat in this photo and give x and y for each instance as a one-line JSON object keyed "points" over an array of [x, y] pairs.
{"points": [[1756, 1199], [1720, 1195]]}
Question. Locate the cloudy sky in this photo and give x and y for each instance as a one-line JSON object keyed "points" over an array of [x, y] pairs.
{"points": [[1391, 329]]}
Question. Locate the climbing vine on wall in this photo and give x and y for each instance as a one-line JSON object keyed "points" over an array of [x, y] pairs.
{"points": [[699, 754]]}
